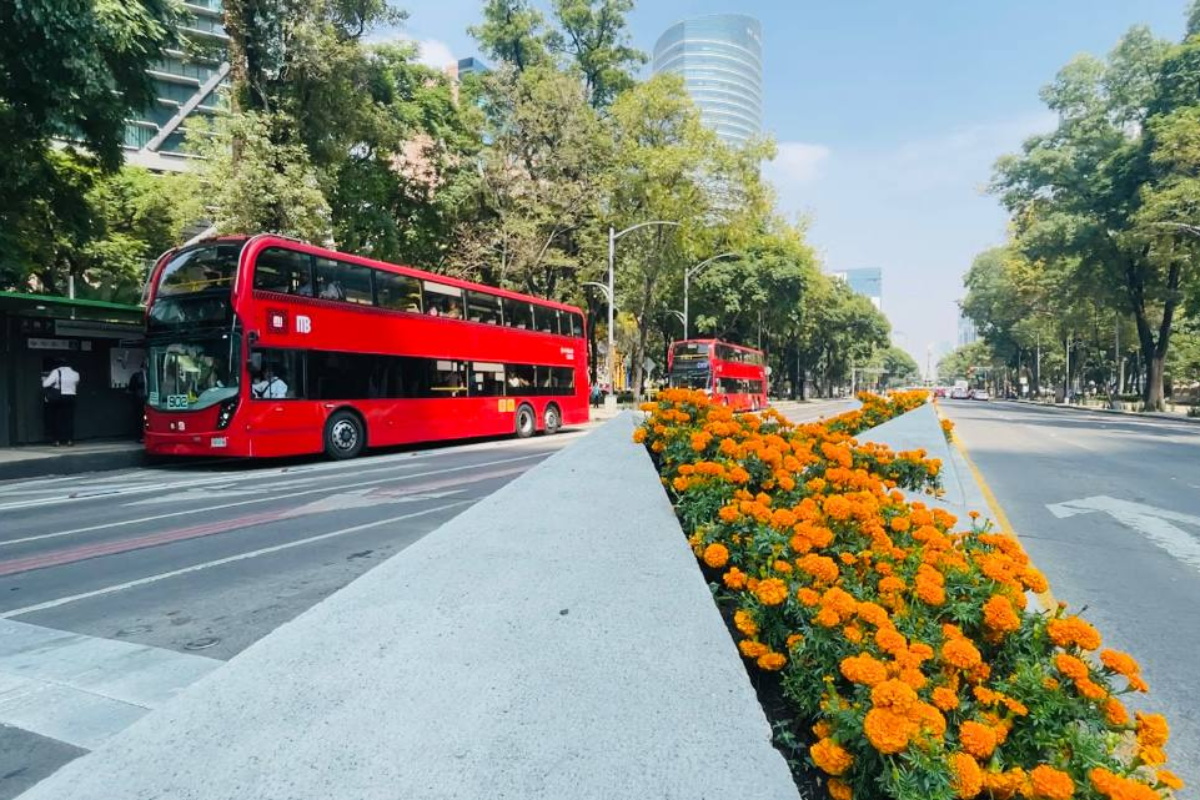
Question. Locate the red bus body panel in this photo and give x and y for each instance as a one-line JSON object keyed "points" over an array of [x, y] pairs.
{"points": [[284, 427]]}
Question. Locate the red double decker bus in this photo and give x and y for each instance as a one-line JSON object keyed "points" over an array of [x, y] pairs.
{"points": [[265, 346], [733, 375]]}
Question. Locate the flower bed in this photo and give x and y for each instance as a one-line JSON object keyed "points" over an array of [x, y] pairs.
{"points": [[905, 647]]}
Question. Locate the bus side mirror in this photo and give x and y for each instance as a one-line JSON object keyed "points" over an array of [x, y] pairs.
{"points": [[252, 337]]}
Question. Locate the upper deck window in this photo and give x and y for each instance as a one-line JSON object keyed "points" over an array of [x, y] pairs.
{"points": [[286, 271], [200, 269]]}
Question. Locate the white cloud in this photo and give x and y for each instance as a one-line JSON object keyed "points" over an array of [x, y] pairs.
{"points": [[435, 53], [798, 162], [431, 52]]}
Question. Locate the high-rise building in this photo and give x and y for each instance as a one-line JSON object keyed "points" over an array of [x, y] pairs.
{"points": [[868, 282], [720, 59], [966, 330], [186, 85]]}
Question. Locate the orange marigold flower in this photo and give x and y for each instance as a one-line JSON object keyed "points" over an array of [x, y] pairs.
{"points": [[899, 524], [1154, 756], [1115, 713], [1137, 684], [734, 579], [853, 633], [890, 640], [894, 695], [945, 698], [1071, 666], [1048, 783], [728, 513], [929, 592], [772, 662], [1090, 689], [808, 597], [752, 649], [968, 778], [887, 731], [1118, 662], [827, 618], [1169, 779], [831, 757], [745, 623], [840, 790], [863, 668], [716, 555], [793, 640], [929, 719], [1073, 631], [639, 435], [978, 740], [1004, 785], [1152, 730], [822, 568], [771, 592], [873, 613], [891, 584], [998, 615], [961, 653]]}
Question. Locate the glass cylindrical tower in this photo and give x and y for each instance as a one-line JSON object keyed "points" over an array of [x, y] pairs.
{"points": [[720, 59]]}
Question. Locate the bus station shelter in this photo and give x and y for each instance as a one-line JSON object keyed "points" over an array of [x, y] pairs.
{"points": [[102, 341]]}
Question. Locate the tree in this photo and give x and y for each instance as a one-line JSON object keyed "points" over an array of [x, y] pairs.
{"points": [[71, 70], [895, 367], [594, 35], [964, 363], [544, 174], [1104, 192], [512, 32]]}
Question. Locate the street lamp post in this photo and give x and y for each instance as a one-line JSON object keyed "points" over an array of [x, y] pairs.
{"points": [[611, 289], [687, 279]]}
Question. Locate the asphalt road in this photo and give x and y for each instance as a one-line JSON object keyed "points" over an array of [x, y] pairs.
{"points": [[1109, 508], [119, 589]]}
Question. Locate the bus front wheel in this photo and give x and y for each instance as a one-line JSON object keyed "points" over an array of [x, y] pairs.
{"points": [[345, 435], [526, 422], [552, 419]]}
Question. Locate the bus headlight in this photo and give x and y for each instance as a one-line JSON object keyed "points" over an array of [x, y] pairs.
{"points": [[225, 415]]}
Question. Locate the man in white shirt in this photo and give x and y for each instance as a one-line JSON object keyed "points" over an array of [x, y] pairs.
{"points": [[61, 386], [269, 386]]}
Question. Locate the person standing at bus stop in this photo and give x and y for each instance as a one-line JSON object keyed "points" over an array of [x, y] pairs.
{"points": [[60, 387]]}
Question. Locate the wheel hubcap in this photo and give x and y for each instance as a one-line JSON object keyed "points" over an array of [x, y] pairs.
{"points": [[345, 435]]}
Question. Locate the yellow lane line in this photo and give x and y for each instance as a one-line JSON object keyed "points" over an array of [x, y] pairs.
{"points": [[1046, 598]]}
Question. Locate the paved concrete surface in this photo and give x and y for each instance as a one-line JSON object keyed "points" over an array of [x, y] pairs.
{"points": [[920, 429], [39, 460], [1109, 508], [564, 650], [149, 569]]}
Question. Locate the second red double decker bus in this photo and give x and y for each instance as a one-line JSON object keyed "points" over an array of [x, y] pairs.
{"points": [[733, 375], [265, 346]]}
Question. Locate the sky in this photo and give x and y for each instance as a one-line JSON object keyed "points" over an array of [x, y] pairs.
{"points": [[888, 117]]}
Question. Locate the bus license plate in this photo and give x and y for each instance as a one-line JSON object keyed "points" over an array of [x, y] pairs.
{"points": [[219, 441]]}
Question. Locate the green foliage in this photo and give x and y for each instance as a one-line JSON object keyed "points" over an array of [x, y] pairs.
{"points": [[594, 36], [964, 363], [512, 32]]}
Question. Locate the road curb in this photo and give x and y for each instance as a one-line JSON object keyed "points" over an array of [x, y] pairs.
{"points": [[72, 464], [1152, 415]]}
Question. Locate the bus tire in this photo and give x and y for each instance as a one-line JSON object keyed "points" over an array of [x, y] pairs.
{"points": [[551, 419], [345, 435], [526, 421]]}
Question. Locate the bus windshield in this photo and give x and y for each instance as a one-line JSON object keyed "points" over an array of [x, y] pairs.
{"points": [[200, 269], [189, 373]]}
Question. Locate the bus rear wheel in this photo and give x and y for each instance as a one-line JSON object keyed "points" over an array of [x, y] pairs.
{"points": [[526, 422], [552, 419], [345, 435]]}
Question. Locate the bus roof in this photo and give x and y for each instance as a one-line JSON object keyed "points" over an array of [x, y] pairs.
{"points": [[267, 239], [715, 341]]}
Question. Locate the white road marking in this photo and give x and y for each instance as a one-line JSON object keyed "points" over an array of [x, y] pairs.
{"points": [[1152, 522], [82, 689], [285, 496], [89, 491], [17, 612]]}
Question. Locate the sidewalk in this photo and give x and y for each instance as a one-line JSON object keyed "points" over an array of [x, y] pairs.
{"points": [[555, 640], [37, 461]]}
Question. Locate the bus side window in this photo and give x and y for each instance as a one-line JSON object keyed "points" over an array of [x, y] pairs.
{"points": [[448, 378], [286, 271], [442, 300], [518, 314], [576, 324], [487, 379], [277, 374], [483, 307], [397, 292], [546, 319], [521, 379], [562, 380], [337, 280]]}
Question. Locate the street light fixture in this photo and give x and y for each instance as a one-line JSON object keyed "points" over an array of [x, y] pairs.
{"points": [[687, 278], [611, 289]]}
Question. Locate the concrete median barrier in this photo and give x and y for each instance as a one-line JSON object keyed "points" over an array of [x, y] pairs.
{"points": [[556, 640]]}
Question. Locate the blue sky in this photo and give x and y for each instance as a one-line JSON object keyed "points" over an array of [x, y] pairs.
{"points": [[888, 117]]}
